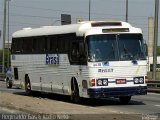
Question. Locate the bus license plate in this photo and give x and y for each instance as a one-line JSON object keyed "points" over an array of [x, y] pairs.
{"points": [[120, 81]]}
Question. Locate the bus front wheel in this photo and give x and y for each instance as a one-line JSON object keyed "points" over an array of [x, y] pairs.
{"points": [[28, 86], [75, 92], [125, 99]]}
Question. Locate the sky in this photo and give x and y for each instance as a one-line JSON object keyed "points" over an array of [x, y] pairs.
{"points": [[36, 13]]}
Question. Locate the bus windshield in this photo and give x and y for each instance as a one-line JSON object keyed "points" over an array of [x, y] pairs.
{"points": [[111, 47]]}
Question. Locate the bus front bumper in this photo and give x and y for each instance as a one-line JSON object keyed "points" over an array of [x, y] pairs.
{"points": [[116, 92]]}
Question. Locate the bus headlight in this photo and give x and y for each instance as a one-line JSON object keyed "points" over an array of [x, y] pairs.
{"points": [[102, 82], [105, 82], [99, 82], [138, 80], [141, 80]]}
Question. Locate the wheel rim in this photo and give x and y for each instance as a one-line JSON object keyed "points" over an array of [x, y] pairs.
{"points": [[75, 94], [28, 87], [7, 83]]}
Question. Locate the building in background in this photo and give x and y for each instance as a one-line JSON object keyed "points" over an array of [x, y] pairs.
{"points": [[150, 45], [150, 36]]}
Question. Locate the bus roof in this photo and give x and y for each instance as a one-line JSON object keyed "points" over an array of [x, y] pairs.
{"points": [[80, 28]]}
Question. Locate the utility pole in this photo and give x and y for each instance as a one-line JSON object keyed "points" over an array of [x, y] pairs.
{"points": [[8, 38], [89, 10], [150, 40], [126, 10], [155, 38], [4, 35]]}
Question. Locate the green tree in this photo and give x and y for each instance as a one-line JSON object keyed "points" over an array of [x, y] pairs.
{"points": [[6, 57], [158, 51]]}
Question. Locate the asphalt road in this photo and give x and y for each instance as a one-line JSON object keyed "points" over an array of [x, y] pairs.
{"points": [[147, 104], [3, 88]]}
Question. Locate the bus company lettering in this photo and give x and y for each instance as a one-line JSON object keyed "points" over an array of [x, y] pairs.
{"points": [[52, 59], [105, 70]]}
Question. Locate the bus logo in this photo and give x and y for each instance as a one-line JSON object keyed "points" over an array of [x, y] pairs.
{"points": [[105, 70], [52, 59]]}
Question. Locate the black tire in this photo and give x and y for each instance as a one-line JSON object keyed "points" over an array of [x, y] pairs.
{"points": [[8, 83], [28, 89], [125, 99], [75, 92]]}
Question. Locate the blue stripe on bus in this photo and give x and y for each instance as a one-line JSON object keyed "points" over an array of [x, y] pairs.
{"points": [[116, 92]]}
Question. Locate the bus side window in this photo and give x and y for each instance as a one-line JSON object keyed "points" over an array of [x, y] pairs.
{"points": [[82, 56], [75, 51], [53, 44], [42, 45], [17, 44], [78, 55], [34, 43]]}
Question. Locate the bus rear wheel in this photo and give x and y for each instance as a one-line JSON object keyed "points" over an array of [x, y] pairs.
{"points": [[125, 99], [28, 86], [8, 83], [75, 92]]}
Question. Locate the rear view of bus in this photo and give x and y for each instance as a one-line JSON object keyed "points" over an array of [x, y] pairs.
{"points": [[116, 60]]}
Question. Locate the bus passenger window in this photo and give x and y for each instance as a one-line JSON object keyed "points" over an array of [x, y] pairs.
{"points": [[75, 52]]}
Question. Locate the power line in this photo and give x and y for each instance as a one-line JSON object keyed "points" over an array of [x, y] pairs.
{"points": [[50, 18], [24, 23], [45, 17], [47, 9], [15, 25]]}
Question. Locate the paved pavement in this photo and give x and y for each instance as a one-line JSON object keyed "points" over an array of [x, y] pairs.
{"points": [[145, 104]]}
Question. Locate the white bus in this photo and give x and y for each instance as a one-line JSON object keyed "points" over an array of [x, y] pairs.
{"points": [[92, 59]]}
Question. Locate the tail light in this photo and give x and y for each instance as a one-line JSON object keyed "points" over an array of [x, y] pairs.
{"points": [[92, 82]]}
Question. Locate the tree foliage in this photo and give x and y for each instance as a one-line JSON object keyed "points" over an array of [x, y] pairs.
{"points": [[6, 57], [158, 51]]}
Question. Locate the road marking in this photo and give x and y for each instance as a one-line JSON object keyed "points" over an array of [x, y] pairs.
{"points": [[157, 105]]}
